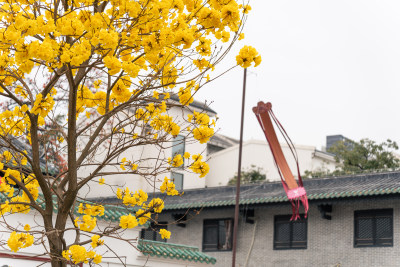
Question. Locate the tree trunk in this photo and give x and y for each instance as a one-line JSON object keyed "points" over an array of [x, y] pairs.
{"points": [[56, 250], [55, 243]]}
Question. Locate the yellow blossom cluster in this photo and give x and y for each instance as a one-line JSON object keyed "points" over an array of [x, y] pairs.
{"points": [[79, 254], [204, 129], [132, 198], [16, 202], [43, 106], [157, 204], [91, 210], [16, 241], [128, 221], [166, 123], [176, 161], [96, 241], [168, 187], [143, 216], [199, 166], [165, 234], [127, 163], [87, 223], [248, 55]]}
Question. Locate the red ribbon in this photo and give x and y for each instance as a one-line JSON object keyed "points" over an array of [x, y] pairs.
{"points": [[294, 191]]}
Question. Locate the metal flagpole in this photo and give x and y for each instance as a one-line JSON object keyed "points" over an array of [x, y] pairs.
{"points": [[236, 221]]}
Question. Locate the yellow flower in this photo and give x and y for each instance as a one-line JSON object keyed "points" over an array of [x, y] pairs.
{"points": [[27, 227], [203, 134], [156, 94], [20, 240], [88, 223], [185, 96], [96, 241], [101, 181], [97, 259], [97, 84], [200, 167], [177, 160], [168, 187], [246, 9], [119, 193], [186, 155], [157, 204], [76, 253], [165, 234], [143, 217], [128, 221], [248, 55]]}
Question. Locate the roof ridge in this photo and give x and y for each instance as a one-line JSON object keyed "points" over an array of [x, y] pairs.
{"points": [[159, 243]]}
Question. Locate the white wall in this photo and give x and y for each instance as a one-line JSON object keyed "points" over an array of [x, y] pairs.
{"points": [[224, 164]]}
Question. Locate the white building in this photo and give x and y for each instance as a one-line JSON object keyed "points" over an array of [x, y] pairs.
{"points": [[224, 161], [181, 144]]}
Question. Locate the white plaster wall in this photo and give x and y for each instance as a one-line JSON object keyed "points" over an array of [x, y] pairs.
{"points": [[223, 164], [322, 164]]}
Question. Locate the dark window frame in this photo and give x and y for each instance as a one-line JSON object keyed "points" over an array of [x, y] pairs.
{"points": [[285, 219], [210, 221], [154, 228], [374, 241]]}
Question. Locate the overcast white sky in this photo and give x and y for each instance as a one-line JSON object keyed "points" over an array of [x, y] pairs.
{"points": [[329, 67]]}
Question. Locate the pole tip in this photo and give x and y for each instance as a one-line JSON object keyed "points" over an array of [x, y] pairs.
{"points": [[262, 107]]}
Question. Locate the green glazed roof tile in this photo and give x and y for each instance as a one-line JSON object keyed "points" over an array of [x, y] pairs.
{"points": [[173, 251]]}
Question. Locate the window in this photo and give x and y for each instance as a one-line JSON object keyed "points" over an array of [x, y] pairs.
{"points": [[177, 178], [151, 233], [217, 235], [373, 228], [290, 234], [178, 145]]}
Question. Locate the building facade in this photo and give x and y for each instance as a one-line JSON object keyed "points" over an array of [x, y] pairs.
{"points": [[352, 221]]}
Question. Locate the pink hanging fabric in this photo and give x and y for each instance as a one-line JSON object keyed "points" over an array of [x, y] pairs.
{"points": [[295, 191]]}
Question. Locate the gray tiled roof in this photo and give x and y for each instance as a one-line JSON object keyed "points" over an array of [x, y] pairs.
{"points": [[223, 141], [196, 104], [46, 167], [355, 186]]}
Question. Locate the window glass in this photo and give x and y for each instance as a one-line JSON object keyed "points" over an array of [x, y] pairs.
{"points": [[178, 145], [282, 232], [177, 178], [217, 235], [210, 241], [365, 227], [383, 227]]}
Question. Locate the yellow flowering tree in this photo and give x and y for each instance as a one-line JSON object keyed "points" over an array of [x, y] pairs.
{"points": [[84, 81]]}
